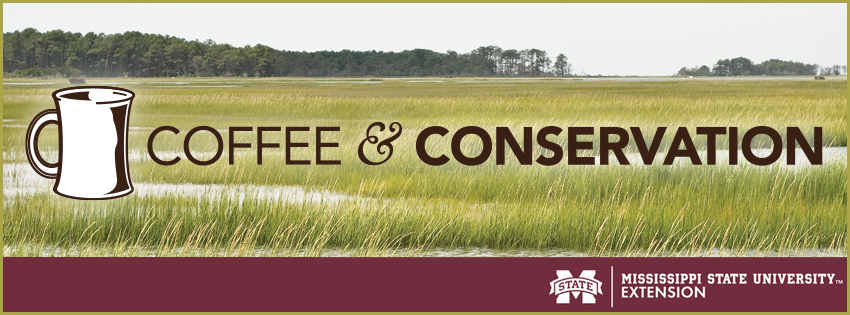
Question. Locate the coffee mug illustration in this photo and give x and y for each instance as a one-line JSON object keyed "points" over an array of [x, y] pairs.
{"points": [[93, 125]]}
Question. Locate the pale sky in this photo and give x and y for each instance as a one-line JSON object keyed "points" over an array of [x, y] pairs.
{"points": [[608, 39]]}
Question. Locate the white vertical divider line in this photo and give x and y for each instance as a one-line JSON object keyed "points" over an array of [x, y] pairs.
{"points": [[612, 286]]}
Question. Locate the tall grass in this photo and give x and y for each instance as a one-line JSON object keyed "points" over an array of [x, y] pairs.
{"points": [[411, 207], [604, 210]]}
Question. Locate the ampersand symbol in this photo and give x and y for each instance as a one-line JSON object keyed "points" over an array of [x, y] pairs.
{"points": [[382, 145]]}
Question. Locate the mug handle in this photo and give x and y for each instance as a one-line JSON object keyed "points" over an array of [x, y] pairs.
{"points": [[42, 167]]}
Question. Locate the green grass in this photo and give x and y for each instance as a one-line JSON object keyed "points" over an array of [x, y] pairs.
{"points": [[615, 210]]}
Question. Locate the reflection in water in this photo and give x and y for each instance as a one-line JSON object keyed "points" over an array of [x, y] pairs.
{"points": [[19, 178]]}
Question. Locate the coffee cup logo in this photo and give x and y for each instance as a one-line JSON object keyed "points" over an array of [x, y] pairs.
{"points": [[93, 125]]}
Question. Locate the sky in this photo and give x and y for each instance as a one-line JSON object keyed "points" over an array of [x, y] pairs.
{"points": [[607, 39]]}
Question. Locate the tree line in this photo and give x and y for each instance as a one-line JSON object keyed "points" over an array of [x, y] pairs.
{"points": [[743, 66], [135, 54]]}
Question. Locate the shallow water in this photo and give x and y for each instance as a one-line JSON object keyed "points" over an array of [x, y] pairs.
{"points": [[195, 86], [132, 156], [19, 178], [338, 82], [652, 79], [165, 84]]}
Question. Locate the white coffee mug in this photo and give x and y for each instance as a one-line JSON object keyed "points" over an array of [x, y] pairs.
{"points": [[93, 125]]}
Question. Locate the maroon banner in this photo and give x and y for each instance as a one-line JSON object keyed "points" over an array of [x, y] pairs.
{"points": [[424, 284]]}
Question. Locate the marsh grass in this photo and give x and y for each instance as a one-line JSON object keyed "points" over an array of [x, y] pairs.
{"points": [[623, 211], [405, 207]]}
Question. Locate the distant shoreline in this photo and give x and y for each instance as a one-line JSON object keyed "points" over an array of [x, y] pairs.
{"points": [[435, 79]]}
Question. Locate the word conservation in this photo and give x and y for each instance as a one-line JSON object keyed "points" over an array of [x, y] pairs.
{"points": [[682, 145]]}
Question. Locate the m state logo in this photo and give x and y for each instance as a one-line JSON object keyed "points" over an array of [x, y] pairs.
{"points": [[584, 284]]}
